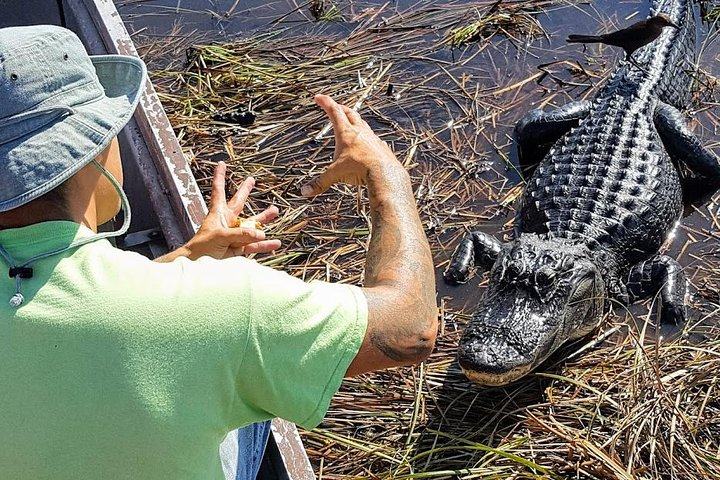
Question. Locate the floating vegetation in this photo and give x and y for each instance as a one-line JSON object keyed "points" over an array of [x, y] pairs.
{"points": [[249, 103], [637, 400], [324, 11], [709, 10], [631, 407], [491, 23]]}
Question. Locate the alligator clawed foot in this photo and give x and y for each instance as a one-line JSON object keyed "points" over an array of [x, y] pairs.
{"points": [[673, 314], [454, 276]]}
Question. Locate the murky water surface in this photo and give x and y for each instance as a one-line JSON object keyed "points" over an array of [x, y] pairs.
{"points": [[226, 18]]}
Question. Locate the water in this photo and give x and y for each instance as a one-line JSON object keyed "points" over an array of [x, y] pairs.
{"points": [[223, 18], [695, 241]]}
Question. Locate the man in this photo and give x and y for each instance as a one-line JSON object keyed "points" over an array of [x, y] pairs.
{"points": [[114, 366]]}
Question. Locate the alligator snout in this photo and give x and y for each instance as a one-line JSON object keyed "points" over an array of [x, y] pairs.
{"points": [[541, 293], [500, 347], [492, 365]]}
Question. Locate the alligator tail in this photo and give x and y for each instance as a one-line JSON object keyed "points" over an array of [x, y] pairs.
{"points": [[584, 39]]}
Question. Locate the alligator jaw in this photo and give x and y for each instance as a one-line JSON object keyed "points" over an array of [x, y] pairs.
{"points": [[500, 346], [497, 380]]}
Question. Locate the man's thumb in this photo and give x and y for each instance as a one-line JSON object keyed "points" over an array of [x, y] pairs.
{"points": [[316, 186]]}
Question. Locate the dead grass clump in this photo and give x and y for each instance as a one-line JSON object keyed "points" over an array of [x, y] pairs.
{"points": [[630, 407], [435, 120], [488, 24]]}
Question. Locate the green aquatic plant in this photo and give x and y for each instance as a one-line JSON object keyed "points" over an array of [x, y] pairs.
{"points": [[491, 23], [325, 11]]}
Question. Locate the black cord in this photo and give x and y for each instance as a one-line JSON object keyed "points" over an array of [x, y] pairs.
{"points": [[61, 9]]}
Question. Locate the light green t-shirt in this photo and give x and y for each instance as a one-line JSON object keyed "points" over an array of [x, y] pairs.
{"points": [[119, 367]]}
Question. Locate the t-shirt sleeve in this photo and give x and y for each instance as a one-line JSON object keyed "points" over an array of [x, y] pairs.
{"points": [[302, 338]]}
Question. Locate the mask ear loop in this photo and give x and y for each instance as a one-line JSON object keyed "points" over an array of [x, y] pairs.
{"points": [[124, 207], [25, 271]]}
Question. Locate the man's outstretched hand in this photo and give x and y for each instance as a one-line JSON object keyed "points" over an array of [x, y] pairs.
{"points": [[217, 237], [359, 154], [358, 151]]}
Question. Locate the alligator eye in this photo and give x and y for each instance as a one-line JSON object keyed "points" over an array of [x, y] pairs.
{"points": [[544, 278], [514, 271], [548, 259], [567, 263]]}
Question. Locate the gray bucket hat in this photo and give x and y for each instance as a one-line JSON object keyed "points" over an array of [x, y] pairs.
{"points": [[59, 108]]}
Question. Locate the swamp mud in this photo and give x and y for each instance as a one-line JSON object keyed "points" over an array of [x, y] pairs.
{"points": [[444, 82]]}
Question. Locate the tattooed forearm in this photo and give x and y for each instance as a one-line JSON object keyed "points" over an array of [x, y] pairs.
{"points": [[398, 241], [399, 258], [399, 274], [384, 244]]}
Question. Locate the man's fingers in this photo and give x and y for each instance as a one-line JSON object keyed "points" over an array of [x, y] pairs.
{"points": [[217, 190], [322, 182], [264, 246], [243, 236], [353, 116], [337, 112], [334, 174], [333, 110], [237, 202], [267, 215], [319, 184]]}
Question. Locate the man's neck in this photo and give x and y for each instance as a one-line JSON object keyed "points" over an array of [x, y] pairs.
{"points": [[37, 212]]}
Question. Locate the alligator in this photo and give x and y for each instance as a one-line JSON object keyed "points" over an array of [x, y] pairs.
{"points": [[604, 197]]}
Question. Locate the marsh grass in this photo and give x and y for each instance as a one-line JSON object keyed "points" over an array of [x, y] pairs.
{"points": [[636, 400]]}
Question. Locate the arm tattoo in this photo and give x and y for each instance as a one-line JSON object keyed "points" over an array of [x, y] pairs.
{"points": [[399, 257]]}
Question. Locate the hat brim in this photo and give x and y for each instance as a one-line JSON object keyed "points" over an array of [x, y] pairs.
{"points": [[81, 136]]}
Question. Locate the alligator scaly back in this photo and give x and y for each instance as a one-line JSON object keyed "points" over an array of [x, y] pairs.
{"points": [[608, 181]]}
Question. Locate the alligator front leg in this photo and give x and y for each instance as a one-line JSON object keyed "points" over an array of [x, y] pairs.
{"points": [[683, 146], [476, 249], [538, 130], [664, 275]]}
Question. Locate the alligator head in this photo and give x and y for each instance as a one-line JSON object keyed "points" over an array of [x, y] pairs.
{"points": [[542, 292]]}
